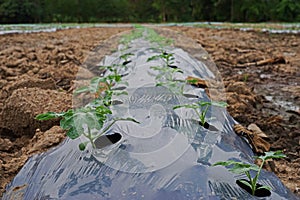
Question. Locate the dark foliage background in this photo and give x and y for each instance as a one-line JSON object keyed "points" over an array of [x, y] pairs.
{"points": [[45, 11]]}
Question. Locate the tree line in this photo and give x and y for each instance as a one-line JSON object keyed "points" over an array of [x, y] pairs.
{"points": [[46, 11]]}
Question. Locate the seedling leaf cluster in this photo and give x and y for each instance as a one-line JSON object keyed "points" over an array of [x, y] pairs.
{"points": [[167, 76], [91, 119], [167, 72], [201, 108], [245, 168]]}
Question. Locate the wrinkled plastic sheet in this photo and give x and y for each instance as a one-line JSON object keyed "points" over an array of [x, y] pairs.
{"points": [[166, 156]]}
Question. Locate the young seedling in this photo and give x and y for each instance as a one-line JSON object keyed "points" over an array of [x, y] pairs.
{"points": [[103, 87], [167, 58], [166, 77], [88, 121], [167, 72], [203, 107], [240, 168], [126, 57]]}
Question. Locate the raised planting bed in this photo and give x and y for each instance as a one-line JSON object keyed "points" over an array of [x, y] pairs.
{"points": [[150, 120]]}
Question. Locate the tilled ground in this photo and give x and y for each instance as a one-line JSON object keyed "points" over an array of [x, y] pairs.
{"points": [[37, 71]]}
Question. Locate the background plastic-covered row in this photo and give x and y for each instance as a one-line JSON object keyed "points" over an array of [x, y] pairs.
{"points": [[167, 156]]}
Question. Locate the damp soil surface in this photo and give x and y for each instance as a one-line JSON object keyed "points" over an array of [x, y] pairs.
{"points": [[261, 74]]}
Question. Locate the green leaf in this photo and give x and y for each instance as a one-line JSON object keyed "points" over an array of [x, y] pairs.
{"points": [[177, 70], [125, 55], [224, 163], [103, 110], [73, 133], [158, 68], [92, 119], [178, 106], [193, 106], [67, 121], [264, 187], [105, 68], [246, 183], [204, 103], [214, 103], [238, 167], [120, 93], [153, 58], [74, 121], [159, 84], [49, 115], [272, 154], [192, 81], [116, 78]]}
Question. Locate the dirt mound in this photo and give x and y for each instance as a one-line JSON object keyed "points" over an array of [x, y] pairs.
{"points": [[25, 103], [241, 99], [22, 100], [15, 153]]}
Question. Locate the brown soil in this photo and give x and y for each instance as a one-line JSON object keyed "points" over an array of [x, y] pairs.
{"points": [[37, 72]]}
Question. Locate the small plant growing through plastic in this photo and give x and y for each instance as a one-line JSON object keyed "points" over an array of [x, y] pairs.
{"points": [[126, 59], [201, 108], [167, 72], [106, 84], [168, 58], [90, 119], [244, 168], [103, 87]]}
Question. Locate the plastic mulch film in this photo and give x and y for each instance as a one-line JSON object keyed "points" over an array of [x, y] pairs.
{"points": [[169, 154]]}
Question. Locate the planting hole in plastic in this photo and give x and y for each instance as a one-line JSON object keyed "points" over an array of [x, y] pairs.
{"points": [[209, 126], [107, 140], [260, 192]]}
